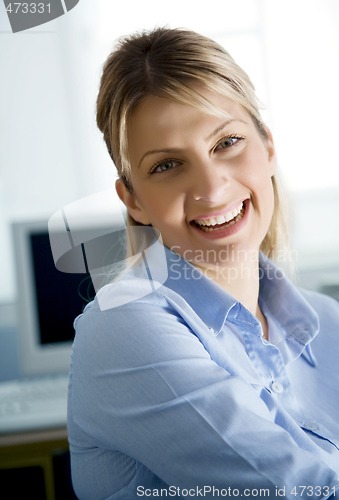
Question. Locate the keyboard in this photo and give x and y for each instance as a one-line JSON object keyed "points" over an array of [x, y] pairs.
{"points": [[33, 403]]}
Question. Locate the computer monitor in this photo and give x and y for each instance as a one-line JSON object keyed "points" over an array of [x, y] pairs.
{"points": [[48, 301]]}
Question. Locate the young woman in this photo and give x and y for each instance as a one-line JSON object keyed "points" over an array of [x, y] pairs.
{"points": [[203, 372]]}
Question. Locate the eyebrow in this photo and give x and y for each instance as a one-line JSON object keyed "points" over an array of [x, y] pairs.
{"points": [[174, 150], [219, 129]]}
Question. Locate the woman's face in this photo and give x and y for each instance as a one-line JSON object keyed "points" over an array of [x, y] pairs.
{"points": [[204, 182]]}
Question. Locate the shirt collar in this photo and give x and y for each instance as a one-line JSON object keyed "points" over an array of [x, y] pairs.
{"points": [[286, 303], [214, 305]]}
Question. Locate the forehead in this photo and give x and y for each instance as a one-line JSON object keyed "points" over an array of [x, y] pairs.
{"points": [[212, 104]]}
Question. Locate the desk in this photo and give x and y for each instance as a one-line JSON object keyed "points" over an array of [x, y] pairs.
{"points": [[35, 464]]}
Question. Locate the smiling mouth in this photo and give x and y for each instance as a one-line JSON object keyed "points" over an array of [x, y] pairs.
{"points": [[222, 221]]}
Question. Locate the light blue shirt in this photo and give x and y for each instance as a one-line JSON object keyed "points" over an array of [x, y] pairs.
{"points": [[176, 394]]}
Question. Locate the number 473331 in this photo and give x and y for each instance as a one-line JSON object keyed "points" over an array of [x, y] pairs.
{"points": [[310, 491], [28, 8]]}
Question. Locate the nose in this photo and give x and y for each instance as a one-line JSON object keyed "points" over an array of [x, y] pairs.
{"points": [[210, 182]]}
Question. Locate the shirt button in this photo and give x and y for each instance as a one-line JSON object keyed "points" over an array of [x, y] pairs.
{"points": [[310, 426], [277, 387]]}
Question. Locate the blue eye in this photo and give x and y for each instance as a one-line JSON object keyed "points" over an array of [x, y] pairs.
{"points": [[227, 142], [165, 166]]}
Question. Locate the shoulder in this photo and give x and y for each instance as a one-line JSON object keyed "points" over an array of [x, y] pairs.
{"points": [[122, 305], [327, 341], [147, 304], [127, 314], [321, 303], [147, 332]]}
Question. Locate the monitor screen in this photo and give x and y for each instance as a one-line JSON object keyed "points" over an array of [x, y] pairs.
{"points": [[59, 297], [48, 302]]}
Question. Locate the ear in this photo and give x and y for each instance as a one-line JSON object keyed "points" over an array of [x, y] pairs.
{"points": [[271, 155], [133, 206]]}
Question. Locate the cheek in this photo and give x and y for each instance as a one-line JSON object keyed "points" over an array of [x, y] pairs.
{"points": [[270, 200], [163, 206], [258, 173], [264, 195], [258, 180]]}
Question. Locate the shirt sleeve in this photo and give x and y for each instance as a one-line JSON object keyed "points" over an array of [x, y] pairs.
{"points": [[144, 385]]}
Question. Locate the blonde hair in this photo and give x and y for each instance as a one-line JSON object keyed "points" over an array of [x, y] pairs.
{"points": [[166, 63]]}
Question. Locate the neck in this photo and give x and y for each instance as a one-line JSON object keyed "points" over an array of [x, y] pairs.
{"points": [[241, 280]]}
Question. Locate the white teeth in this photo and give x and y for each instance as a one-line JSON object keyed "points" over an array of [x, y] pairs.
{"points": [[220, 219], [236, 219]]}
